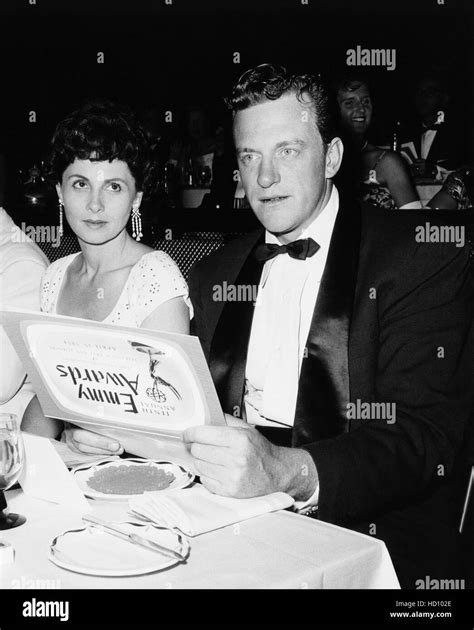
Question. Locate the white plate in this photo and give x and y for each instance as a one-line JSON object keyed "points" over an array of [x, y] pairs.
{"points": [[83, 473], [93, 551]]}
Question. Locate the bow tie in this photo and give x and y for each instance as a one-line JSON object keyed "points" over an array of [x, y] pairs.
{"points": [[300, 249]]}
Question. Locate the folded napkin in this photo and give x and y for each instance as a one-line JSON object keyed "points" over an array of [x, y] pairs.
{"points": [[195, 510]]}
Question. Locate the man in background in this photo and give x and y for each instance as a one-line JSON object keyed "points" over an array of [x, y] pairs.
{"points": [[438, 138]]}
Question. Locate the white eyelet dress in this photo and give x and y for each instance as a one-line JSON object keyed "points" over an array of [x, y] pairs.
{"points": [[153, 280]]}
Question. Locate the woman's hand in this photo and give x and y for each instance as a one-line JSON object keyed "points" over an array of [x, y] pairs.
{"points": [[83, 441]]}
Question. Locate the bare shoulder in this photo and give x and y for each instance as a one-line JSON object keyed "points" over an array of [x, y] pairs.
{"points": [[373, 153], [134, 256], [61, 265], [391, 161], [140, 250]]}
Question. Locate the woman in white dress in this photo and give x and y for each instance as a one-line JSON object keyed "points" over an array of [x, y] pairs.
{"points": [[99, 164]]}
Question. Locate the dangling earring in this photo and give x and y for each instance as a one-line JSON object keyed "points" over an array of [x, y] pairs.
{"points": [[61, 228], [136, 223]]}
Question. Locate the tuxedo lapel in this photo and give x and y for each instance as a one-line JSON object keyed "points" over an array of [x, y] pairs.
{"points": [[231, 337], [417, 142], [323, 391], [438, 146]]}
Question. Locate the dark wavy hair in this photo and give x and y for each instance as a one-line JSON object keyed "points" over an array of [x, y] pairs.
{"points": [[350, 80], [268, 82], [101, 130]]}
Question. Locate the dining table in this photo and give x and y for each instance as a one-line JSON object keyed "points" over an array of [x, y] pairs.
{"points": [[278, 550]]}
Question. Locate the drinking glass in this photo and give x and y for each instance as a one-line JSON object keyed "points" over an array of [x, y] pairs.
{"points": [[12, 456]]}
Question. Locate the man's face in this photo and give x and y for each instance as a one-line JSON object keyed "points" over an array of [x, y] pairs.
{"points": [[429, 98], [283, 163]]}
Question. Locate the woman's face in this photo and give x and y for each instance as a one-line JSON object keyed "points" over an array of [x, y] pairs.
{"points": [[98, 198], [355, 106]]}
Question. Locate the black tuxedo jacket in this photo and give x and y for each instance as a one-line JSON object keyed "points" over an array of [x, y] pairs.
{"points": [[448, 148], [391, 324]]}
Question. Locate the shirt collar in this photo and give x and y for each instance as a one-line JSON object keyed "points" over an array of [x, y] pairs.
{"points": [[434, 127], [322, 226]]}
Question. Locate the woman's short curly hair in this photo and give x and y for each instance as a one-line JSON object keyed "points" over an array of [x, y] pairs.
{"points": [[101, 130]]}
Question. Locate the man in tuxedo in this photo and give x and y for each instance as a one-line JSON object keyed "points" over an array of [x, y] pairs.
{"points": [[340, 311], [439, 140]]}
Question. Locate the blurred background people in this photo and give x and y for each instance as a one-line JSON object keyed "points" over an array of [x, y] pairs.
{"points": [[379, 176], [161, 189], [192, 153], [437, 138]]}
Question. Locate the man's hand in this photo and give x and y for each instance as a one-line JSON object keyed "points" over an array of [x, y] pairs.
{"points": [[83, 441], [237, 461]]}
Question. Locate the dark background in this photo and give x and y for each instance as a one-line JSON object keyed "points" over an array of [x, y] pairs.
{"points": [[172, 56]]}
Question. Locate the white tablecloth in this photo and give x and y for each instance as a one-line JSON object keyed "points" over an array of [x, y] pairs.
{"points": [[279, 550]]}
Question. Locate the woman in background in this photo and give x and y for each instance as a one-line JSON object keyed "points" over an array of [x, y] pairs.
{"points": [[101, 169], [379, 176]]}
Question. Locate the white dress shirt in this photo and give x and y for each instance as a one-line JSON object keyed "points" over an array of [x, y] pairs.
{"points": [[283, 311], [427, 139]]}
